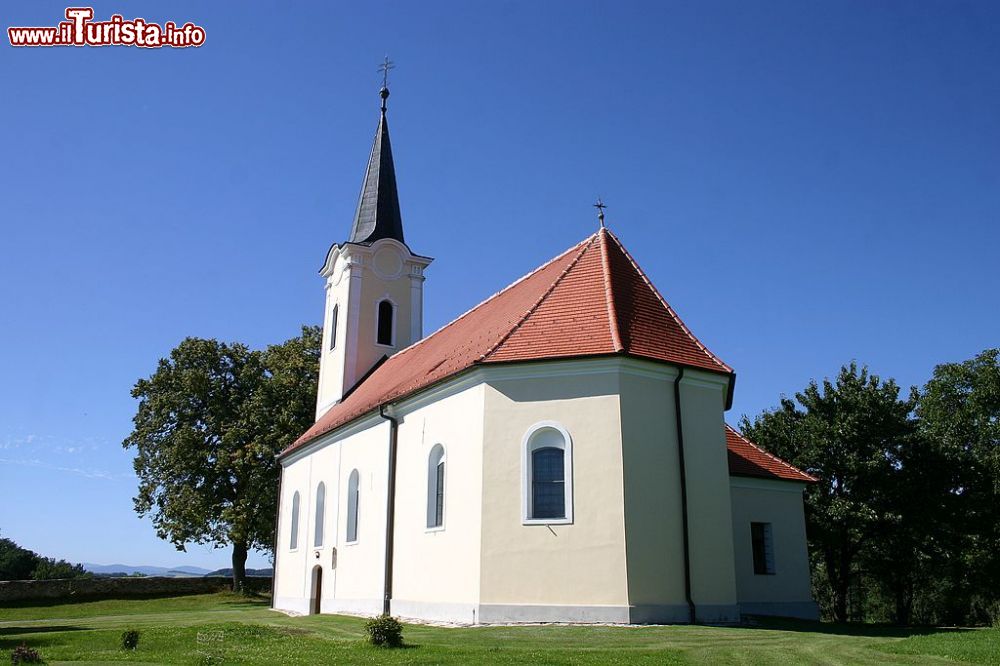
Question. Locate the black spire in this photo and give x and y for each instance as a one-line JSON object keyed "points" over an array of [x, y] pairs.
{"points": [[378, 215]]}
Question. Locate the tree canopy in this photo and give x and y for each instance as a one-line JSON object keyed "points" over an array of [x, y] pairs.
{"points": [[905, 519], [209, 424]]}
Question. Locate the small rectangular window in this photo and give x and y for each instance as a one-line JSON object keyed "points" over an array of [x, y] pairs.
{"points": [[763, 548]]}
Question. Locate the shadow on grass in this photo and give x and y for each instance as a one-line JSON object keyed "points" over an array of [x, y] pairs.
{"points": [[845, 629], [7, 642], [7, 631]]}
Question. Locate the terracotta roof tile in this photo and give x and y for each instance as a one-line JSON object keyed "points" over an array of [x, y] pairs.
{"points": [[591, 300], [748, 459]]}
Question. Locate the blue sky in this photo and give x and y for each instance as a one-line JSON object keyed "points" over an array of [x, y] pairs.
{"points": [[806, 183]]}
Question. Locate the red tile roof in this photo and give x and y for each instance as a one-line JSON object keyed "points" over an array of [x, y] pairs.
{"points": [[748, 459], [591, 300]]}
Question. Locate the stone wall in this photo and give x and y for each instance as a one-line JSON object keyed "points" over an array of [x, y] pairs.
{"points": [[68, 590]]}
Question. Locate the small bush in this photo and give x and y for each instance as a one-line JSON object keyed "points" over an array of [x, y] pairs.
{"points": [[23, 654], [384, 631], [130, 639]]}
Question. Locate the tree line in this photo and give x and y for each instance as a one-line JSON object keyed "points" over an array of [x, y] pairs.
{"points": [[904, 523], [17, 563]]}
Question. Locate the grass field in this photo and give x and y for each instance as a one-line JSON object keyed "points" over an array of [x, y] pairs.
{"points": [[224, 628]]}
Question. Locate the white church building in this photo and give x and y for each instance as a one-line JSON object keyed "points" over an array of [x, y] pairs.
{"points": [[558, 453]]}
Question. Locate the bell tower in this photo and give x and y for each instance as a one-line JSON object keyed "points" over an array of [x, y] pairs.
{"points": [[374, 283]]}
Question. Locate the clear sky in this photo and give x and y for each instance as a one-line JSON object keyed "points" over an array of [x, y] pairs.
{"points": [[807, 183]]}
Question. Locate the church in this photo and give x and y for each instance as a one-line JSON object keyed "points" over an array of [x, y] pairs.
{"points": [[558, 453]]}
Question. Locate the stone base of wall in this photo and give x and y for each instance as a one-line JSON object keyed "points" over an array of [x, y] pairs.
{"points": [[69, 590]]}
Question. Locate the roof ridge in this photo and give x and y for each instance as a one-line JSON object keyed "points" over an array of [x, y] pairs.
{"points": [[541, 299], [670, 310], [616, 338], [769, 454]]}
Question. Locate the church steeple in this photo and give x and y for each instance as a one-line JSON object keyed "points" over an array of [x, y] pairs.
{"points": [[378, 214], [374, 283]]}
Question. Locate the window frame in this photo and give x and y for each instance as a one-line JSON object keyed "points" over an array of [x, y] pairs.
{"points": [[766, 559], [392, 321], [319, 519], [529, 444], [435, 486], [353, 496], [293, 530], [334, 317]]}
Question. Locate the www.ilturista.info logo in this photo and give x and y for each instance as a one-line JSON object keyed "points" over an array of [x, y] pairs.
{"points": [[81, 30]]}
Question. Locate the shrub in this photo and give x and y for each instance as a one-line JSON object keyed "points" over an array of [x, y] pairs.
{"points": [[130, 639], [384, 631], [23, 654]]}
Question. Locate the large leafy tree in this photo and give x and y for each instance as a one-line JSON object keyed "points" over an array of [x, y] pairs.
{"points": [[209, 423], [960, 412], [853, 435]]}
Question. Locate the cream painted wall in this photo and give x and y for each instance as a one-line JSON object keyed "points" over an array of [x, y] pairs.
{"points": [[713, 580], [621, 557], [778, 503], [578, 564], [653, 528]]}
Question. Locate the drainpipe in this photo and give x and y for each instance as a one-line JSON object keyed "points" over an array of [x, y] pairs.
{"points": [[390, 510], [684, 503]]}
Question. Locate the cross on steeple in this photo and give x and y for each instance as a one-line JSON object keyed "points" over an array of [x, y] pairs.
{"points": [[384, 68], [600, 211]]}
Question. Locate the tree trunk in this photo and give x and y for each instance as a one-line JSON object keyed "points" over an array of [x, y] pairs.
{"points": [[239, 566]]}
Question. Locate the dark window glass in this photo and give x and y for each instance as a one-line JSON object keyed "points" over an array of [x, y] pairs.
{"points": [[548, 497], [439, 496], [760, 537], [385, 323], [333, 328]]}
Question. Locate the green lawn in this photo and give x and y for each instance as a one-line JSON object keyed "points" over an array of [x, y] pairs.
{"points": [[228, 629]]}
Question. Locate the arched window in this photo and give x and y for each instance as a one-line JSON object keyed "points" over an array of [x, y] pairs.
{"points": [[385, 317], [333, 327], [548, 474], [320, 511], [353, 495], [293, 542], [435, 487]]}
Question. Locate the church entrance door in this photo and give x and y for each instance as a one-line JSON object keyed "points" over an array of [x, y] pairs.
{"points": [[317, 590]]}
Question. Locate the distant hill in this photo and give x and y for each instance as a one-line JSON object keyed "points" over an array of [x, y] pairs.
{"points": [[251, 573], [178, 572]]}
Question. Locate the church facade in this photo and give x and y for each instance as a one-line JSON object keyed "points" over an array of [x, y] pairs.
{"points": [[558, 453]]}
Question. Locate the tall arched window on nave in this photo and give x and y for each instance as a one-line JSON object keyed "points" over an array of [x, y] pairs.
{"points": [[320, 514], [293, 541], [353, 497], [435, 487]]}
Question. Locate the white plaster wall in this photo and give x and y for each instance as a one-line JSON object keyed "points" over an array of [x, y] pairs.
{"points": [[787, 592], [331, 462], [436, 571], [358, 279]]}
